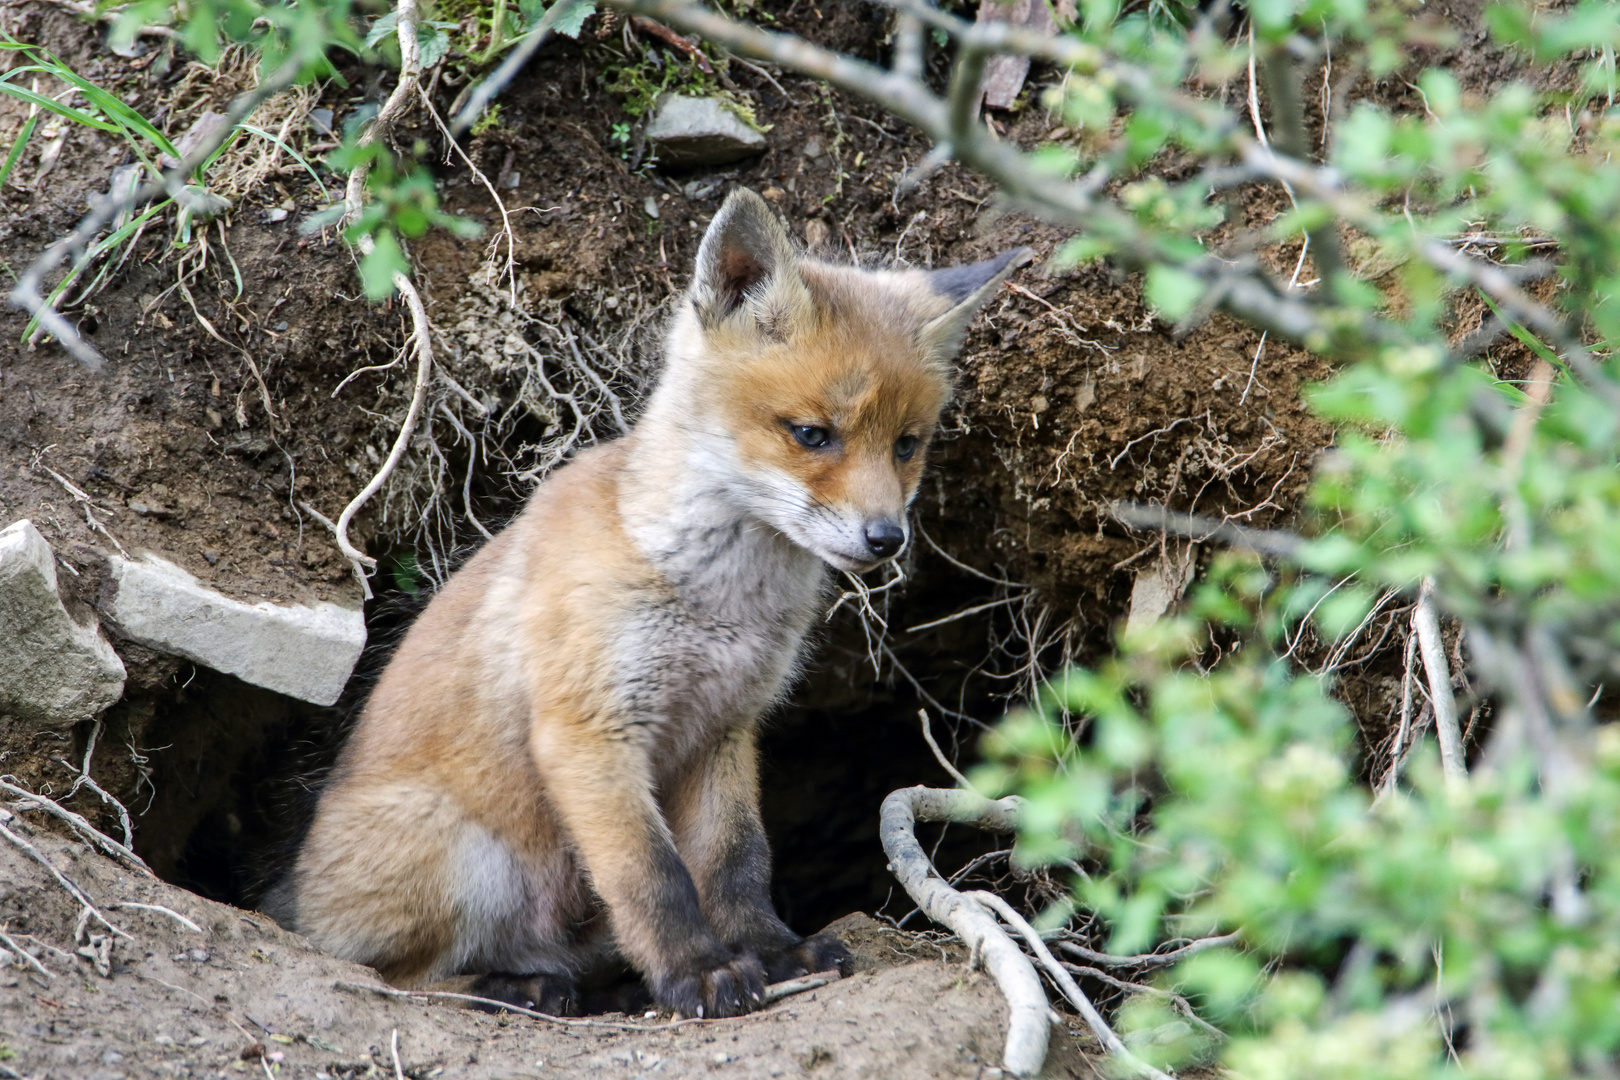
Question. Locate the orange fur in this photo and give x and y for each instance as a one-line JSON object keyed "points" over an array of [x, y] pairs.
{"points": [[558, 765]]}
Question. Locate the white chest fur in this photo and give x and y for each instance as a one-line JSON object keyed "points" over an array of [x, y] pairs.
{"points": [[721, 643]]}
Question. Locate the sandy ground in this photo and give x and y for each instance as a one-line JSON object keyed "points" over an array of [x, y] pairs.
{"points": [[242, 997]]}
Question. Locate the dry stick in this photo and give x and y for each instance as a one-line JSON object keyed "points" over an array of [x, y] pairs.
{"points": [[73, 890], [78, 823], [393, 1046], [773, 993], [26, 293], [1027, 1008], [1426, 622], [939, 755], [1065, 982]]}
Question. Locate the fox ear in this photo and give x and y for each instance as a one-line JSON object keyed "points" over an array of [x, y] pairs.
{"points": [[967, 288], [744, 249]]}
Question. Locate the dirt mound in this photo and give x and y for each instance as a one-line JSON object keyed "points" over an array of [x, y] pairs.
{"points": [[207, 989]]}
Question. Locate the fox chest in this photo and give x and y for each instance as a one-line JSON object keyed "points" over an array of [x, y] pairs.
{"points": [[691, 673]]}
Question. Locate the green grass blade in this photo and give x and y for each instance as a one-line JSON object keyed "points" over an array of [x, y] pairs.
{"points": [[295, 155], [110, 104], [78, 116], [17, 149], [95, 252], [1526, 338]]}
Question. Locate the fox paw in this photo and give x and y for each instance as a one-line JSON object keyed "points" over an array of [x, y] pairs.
{"points": [[554, 995], [730, 989], [819, 952]]}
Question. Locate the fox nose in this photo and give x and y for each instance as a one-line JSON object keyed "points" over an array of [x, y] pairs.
{"points": [[884, 537]]}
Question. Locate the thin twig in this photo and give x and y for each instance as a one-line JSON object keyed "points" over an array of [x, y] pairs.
{"points": [[519, 56], [939, 755], [393, 1047], [161, 910], [33, 961], [1164, 959]]}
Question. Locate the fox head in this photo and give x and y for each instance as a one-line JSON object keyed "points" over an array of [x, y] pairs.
{"points": [[813, 389]]}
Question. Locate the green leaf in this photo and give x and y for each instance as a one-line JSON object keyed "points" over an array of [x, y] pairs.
{"points": [[431, 45], [385, 26], [1173, 292], [378, 267], [571, 21]]}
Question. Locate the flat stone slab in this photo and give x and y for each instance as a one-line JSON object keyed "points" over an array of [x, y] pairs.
{"points": [[700, 131], [53, 671], [303, 652]]}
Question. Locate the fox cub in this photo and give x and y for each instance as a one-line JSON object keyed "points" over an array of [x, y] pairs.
{"points": [[556, 773]]}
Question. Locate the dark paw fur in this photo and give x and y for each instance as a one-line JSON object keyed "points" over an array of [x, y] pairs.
{"points": [[728, 989], [820, 952], [554, 995]]}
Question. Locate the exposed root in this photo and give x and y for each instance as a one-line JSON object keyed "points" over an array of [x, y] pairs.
{"points": [[24, 955], [1025, 1049], [1065, 982], [79, 825], [84, 779], [939, 755], [421, 339], [88, 910], [161, 910]]}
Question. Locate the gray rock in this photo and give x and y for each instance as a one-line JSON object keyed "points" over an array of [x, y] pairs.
{"points": [[303, 652], [700, 131], [52, 670]]}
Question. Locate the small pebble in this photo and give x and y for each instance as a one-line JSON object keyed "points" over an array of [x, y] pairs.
{"points": [[199, 955], [721, 1058], [164, 1040]]}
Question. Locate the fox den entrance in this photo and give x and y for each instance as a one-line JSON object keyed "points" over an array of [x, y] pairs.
{"points": [[231, 771]]}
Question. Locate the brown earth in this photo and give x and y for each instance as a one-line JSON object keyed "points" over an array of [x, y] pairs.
{"points": [[239, 996], [1072, 395]]}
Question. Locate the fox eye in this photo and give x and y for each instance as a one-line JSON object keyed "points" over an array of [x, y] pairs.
{"points": [[810, 436], [905, 446]]}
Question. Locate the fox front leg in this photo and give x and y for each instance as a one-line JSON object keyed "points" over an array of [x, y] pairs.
{"points": [[717, 826], [602, 786]]}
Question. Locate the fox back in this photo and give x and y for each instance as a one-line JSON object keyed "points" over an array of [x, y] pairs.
{"points": [[557, 771]]}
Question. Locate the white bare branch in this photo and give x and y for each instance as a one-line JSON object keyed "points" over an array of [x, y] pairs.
{"points": [[1027, 1007]]}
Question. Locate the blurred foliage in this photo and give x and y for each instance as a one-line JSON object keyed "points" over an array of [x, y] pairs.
{"points": [[1210, 782]]}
